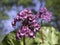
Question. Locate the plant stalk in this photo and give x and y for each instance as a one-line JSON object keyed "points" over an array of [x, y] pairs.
{"points": [[42, 36], [24, 43]]}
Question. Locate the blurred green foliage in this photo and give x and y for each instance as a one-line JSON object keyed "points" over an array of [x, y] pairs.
{"points": [[17, 2], [3, 16], [54, 6], [50, 35]]}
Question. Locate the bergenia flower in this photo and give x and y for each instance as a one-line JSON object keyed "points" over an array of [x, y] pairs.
{"points": [[25, 31], [29, 25], [29, 22], [44, 14]]}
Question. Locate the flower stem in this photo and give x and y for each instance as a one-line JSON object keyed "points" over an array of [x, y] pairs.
{"points": [[42, 36], [24, 43]]}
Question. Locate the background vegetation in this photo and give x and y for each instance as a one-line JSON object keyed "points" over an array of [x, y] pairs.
{"points": [[51, 31]]}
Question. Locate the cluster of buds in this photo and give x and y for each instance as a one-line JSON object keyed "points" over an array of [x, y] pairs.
{"points": [[29, 24]]}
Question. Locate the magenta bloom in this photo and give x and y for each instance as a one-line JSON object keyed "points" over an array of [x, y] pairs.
{"points": [[29, 22], [25, 31], [44, 14]]}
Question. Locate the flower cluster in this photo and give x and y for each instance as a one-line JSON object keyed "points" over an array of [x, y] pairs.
{"points": [[29, 24], [25, 31], [21, 16], [44, 14]]}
